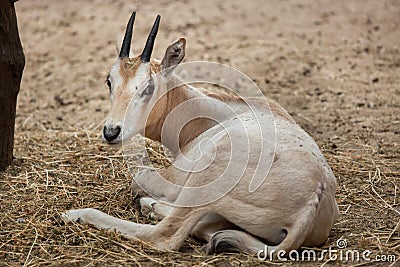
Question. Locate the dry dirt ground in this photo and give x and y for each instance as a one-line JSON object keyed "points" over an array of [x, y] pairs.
{"points": [[334, 65]]}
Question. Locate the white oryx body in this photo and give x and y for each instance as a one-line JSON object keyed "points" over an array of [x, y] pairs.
{"points": [[295, 206]]}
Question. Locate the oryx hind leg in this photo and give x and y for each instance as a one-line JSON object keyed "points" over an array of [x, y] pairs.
{"points": [[210, 224], [233, 241], [203, 230]]}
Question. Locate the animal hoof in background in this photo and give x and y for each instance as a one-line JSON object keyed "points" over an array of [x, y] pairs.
{"points": [[207, 248], [147, 207], [222, 241]]}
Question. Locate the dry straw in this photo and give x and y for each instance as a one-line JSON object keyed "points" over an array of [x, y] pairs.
{"points": [[59, 170]]}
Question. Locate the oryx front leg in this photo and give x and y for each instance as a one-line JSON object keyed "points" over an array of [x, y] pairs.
{"points": [[168, 234], [101, 220], [155, 184]]}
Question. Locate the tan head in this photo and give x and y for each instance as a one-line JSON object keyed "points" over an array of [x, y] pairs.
{"points": [[133, 87]]}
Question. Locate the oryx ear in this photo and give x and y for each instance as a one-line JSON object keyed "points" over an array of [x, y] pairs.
{"points": [[173, 56]]}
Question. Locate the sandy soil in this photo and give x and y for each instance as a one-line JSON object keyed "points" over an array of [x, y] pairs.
{"points": [[334, 65], [320, 60]]}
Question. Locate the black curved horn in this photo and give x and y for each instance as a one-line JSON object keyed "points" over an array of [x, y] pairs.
{"points": [[126, 44], [148, 49]]}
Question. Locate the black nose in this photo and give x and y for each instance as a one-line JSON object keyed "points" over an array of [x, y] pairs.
{"points": [[111, 133]]}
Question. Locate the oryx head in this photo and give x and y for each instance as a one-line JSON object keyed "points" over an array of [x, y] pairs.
{"points": [[134, 90]]}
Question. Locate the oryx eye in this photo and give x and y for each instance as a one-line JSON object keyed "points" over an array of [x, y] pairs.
{"points": [[109, 83], [149, 90]]}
